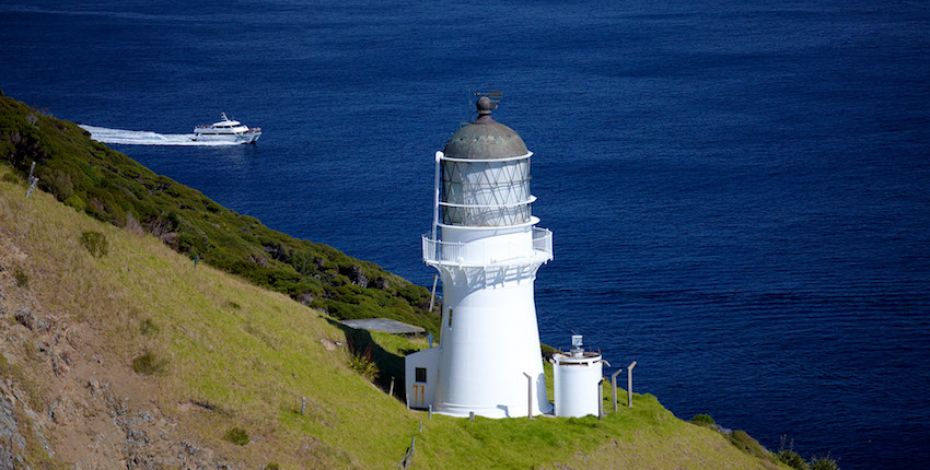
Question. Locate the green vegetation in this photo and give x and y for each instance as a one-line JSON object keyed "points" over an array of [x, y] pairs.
{"points": [[237, 436], [148, 364], [108, 185], [21, 278], [705, 420], [824, 463], [148, 327], [95, 243], [362, 363], [792, 459], [747, 444]]}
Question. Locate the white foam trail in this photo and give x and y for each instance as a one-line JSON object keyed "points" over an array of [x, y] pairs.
{"points": [[122, 136]]}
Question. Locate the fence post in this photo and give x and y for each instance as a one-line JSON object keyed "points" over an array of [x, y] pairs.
{"points": [[629, 384], [303, 405], [613, 383], [430, 412], [391, 391], [600, 398]]}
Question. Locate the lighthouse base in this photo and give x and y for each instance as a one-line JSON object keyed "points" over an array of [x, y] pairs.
{"points": [[502, 411]]}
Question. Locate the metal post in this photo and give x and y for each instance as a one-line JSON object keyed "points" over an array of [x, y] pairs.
{"points": [[529, 395], [391, 392], [613, 384], [629, 384], [430, 412], [432, 297], [600, 399], [421, 425]]}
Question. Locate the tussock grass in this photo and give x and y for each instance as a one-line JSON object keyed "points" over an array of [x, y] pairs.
{"points": [[237, 436], [95, 243], [148, 363], [253, 364]]}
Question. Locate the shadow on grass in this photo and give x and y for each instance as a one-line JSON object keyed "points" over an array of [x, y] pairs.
{"points": [[360, 343]]}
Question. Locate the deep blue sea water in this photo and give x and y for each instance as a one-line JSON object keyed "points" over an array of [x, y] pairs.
{"points": [[740, 193]]}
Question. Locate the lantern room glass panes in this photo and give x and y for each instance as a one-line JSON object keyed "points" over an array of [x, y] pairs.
{"points": [[481, 193]]}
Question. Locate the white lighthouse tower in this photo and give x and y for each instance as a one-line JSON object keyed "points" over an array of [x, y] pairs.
{"points": [[487, 249]]}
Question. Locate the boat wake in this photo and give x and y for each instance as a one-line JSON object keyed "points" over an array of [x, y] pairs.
{"points": [[127, 137]]}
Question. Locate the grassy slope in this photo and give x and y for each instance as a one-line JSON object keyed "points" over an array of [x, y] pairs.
{"points": [[251, 353], [113, 188]]}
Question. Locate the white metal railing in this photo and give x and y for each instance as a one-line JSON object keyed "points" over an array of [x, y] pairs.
{"points": [[542, 241], [443, 252]]}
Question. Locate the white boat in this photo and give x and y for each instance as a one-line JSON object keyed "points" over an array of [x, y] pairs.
{"points": [[227, 130]]}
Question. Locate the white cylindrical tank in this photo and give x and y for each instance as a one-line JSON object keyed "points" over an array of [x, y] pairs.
{"points": [[577, 376]]}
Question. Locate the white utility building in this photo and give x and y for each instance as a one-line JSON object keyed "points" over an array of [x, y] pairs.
{"points": [[577, 376], [487, 248]]}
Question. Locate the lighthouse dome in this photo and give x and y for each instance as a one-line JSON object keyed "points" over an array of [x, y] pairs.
{"points": [[485, 139]]}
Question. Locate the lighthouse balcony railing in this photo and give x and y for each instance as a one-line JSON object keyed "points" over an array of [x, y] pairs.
{"points": [[468, 254]]}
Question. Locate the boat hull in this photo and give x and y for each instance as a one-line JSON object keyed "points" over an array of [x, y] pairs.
{"points": [[244, 138]]}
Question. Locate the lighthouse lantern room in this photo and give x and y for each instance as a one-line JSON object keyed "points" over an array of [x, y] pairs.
{"points": [[485, 244]]}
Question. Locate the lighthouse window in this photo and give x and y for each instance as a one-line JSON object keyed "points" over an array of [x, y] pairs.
{"points": [[421, 374], [450, 318]]}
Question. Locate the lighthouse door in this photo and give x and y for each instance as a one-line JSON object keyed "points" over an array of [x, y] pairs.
{"points": [[419, 387]]}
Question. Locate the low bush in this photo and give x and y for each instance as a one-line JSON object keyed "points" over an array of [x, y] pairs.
{"points": [[792, 459], [95, 243], [364, 364], [148, 364], [21, 278], [824, 463], [237, 436], [148, 327], [703, 419]]}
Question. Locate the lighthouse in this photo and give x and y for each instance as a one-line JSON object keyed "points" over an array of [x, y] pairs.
{"points": [[486, 246]]}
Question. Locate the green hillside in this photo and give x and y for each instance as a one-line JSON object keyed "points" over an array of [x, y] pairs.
{"points": [[118, 351], [213, 355], [112, 187]]}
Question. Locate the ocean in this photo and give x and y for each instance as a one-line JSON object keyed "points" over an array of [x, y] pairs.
{"points": [[739, 192]]}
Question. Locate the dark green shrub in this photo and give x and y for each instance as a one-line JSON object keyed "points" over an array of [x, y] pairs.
{"points": [[21, 278], [95, 243], [824, 463], [792, 459], [148, 364], [237, 436], [272, 466], [703, 419]]}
